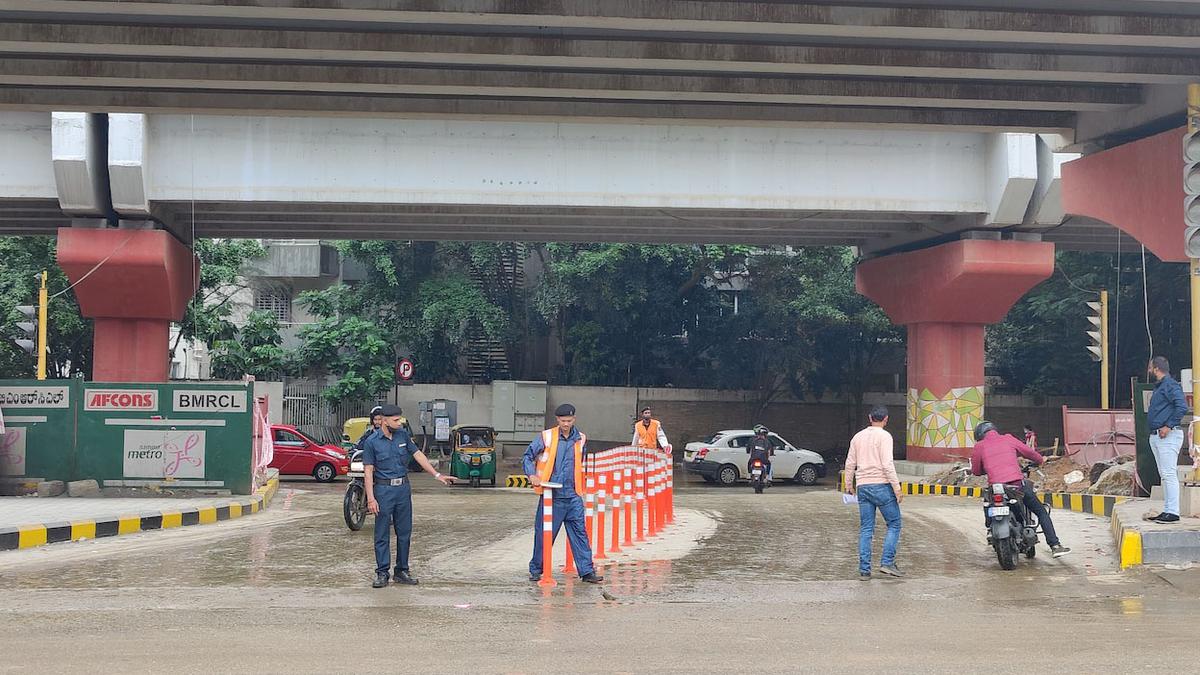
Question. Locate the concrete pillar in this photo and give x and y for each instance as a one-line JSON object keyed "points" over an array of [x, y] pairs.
{"points": [[946, 296], [133, 283]]}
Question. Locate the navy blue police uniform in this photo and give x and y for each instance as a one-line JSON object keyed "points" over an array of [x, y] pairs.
{"points": [[393, 493]]}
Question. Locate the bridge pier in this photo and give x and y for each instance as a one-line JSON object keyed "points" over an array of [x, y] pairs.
{"points": [[946, 295], [133, 283]]}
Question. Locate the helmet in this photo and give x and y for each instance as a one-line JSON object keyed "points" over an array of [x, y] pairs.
{"points": [[761, 430], [983, 428], [375, 411]]}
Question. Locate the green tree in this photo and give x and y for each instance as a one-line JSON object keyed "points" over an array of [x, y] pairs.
{"points": [[418, 298], [1040, 348], [222, 265], [69, 335], [254, 351]]}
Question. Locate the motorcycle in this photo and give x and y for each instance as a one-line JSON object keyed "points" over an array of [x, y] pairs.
{"points": [[1012, 528], [758, 476], [354, 504]]}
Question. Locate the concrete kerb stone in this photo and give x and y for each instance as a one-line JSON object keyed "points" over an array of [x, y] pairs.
{"points": [[1145, 543], [39, 534], [1097, 505]]}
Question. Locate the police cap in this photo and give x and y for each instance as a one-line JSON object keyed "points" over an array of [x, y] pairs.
{"points": [[565, 410], [390, 410]]}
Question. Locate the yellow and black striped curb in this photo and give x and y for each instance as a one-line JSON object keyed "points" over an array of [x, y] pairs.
{"points": [[1128, 541], [515, 481], [30, 536], [1097, 505]]}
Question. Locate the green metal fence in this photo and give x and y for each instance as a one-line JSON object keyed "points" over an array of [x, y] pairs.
{"points": [[187, 434], [40, 421]]}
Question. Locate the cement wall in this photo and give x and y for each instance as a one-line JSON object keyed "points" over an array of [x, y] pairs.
{"points": [[605, 413]]}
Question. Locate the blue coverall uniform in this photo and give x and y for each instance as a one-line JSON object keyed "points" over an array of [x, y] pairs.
{"points": [[568, 505], [390, 457]]}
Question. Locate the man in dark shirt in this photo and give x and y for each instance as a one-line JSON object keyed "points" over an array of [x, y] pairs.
{"points": [[389, 493], [1167, 408]]}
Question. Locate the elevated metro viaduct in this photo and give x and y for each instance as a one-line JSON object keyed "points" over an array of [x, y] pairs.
{"points": [[955, 144]]}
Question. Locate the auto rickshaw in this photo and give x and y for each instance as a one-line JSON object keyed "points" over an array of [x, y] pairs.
{"points": [[473, 454], [353, 428]]}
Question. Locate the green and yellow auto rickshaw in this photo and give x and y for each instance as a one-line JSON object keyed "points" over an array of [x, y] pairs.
{"points": [[473, 454]]}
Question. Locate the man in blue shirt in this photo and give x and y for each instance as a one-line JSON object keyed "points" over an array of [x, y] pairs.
{"points": [[556, 456], [1167, 408], [389, 493]]}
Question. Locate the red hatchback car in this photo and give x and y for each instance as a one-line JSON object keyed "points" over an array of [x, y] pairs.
{"points": [[299, 455]]}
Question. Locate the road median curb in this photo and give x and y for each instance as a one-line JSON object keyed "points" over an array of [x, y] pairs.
{"points": [[1097, 505], [39, 534]]}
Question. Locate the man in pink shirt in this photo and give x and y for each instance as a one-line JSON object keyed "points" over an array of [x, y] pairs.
{"points": [[996, 456], [871, 475]]}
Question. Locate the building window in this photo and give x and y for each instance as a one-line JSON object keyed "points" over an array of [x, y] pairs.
{"points": [[276, 301]]}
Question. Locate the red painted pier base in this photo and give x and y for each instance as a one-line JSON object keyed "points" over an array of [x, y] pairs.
{"points": [[946, 295], [143, 283]]}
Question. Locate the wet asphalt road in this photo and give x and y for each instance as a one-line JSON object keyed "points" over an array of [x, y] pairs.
{"points": [[773, 588]]}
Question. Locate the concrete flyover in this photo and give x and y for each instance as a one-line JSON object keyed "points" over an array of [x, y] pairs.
{"points": [[1089, 70], [956, 142], [284, 177]]}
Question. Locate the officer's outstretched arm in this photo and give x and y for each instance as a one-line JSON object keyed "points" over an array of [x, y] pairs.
{"points": [[425, 464]]}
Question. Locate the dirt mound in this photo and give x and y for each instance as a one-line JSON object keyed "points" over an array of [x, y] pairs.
{"points": [[1116, 480], [1055, 471], [957, 474]]}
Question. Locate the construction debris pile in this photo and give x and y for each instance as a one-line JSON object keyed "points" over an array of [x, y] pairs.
{"points": [[1058, 474]]}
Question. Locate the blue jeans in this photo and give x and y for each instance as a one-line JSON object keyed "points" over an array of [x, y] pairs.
{"points": [[871, 497], [1166, 455], [567, 511], [395, 512]]}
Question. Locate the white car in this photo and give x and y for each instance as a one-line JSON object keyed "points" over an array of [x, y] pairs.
{"points": [[723, 458]]}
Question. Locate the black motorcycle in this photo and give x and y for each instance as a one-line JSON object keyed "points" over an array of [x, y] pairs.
{"points": [[1012, 528], [354, 504], [758, 476]]}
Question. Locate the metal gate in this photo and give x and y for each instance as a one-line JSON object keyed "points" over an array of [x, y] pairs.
{"points": [[311, 413]]}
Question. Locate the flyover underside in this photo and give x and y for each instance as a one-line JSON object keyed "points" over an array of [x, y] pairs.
{"points": [[1088, 69], [482, 222]]}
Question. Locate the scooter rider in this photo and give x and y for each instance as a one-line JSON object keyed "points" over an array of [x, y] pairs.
{"points": [[760, 448], [376, 420], [996, 456]]}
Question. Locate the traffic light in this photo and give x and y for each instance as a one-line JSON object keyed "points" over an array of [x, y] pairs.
{"points": [[28, 329], [1191, 189], [33, 331], [1098, 342]]}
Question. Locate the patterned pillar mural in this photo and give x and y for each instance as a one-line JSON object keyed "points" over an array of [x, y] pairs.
{"points": [[947, 422]]}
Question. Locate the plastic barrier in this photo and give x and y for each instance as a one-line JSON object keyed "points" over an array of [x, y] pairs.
{"points": [[641, 489]]}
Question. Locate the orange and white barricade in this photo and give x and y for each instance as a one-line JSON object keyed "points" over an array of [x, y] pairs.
{"points": [[547, 537]]}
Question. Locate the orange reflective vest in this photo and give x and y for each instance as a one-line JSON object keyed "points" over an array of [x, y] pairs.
{"points": [[545, 463], [647, 437]]}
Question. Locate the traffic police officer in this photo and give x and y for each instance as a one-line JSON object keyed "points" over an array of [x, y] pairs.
{"points": [[389, 493], [556, 456]]}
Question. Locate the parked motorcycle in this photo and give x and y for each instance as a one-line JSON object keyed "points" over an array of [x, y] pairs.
{"points": [[1012, 528], [354, 504], [758, 476]]}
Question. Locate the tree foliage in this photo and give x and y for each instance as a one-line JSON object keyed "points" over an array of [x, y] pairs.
{"points": [[1041, 347], [69, 335], [254, 351]]}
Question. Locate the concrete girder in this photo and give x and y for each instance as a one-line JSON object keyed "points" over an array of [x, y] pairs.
{"points": [[550, 111], [1046, 208], [1012, 174], [25, 170], [665, 17], [127, 164], [358, 81], [79, 174], [348, 47], [270, 159]]}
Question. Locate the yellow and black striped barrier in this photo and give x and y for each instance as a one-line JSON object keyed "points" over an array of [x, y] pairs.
{"points": [[30, 536], [1098, 505], [515, 481]]}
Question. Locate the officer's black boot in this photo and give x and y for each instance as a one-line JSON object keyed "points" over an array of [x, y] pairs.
{"points": [[591, 578], [381, 580], [403, 577]]}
